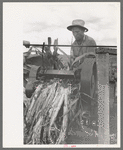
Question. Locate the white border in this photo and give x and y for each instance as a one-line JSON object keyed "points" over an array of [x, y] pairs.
{"points": [[12, 79]]}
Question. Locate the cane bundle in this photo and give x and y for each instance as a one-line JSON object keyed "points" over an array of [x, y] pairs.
{"points": [[51, 108]]}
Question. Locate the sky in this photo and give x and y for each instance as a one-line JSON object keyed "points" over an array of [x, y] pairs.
{"points": [[43, 20]]}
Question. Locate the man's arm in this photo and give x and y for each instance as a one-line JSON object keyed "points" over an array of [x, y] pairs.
{"points": [[71, 56], [91, 49]]}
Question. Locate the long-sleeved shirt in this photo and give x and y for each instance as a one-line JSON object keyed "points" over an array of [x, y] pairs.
{"points": [[78, 51]]}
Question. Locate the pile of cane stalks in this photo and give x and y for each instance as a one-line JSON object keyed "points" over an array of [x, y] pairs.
{"points": [[50, 110]]}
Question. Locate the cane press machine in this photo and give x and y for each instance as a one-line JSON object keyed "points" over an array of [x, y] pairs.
{"points": [[90, 76]]}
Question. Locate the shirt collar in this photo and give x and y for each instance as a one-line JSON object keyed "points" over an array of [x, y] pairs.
{"points": [[75, 42]]}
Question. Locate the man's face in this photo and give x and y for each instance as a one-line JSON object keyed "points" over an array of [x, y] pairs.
{"points": [[78, 33]]}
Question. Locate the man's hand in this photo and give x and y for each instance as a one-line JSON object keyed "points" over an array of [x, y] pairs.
{"points": [[81, 58]]}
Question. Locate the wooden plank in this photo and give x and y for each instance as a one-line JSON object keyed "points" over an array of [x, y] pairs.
{"points": [[103, 50], [103, 98], [59, 72]]}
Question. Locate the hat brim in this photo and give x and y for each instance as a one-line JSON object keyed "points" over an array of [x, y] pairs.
{"points": [[70, 27]]}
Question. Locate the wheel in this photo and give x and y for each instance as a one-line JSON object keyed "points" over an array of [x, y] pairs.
{"points": [[89, 89], [89, 77]]}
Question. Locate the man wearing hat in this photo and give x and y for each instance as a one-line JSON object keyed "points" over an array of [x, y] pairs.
{"points": [[81, 39]]}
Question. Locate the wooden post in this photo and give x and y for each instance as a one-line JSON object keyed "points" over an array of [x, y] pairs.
{"points": [[103, 98]]}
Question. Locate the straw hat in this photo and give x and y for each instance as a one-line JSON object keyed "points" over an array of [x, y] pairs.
{"points": [[77, 23]]}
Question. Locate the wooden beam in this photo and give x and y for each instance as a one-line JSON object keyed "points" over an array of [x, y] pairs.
{"points": [[58, 74], [103, 98], [102, 50]]}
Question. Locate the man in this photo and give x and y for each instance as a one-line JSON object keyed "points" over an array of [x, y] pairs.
{"points": [[81, 39], [78, 54]]}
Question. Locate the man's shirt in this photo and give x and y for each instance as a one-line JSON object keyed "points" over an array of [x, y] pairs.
{"points": [[78, 51]]}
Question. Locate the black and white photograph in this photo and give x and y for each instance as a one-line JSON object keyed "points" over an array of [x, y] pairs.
{"points": [[69, 73]]}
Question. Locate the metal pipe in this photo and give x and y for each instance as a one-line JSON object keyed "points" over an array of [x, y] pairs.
{"points": [[70, 45]]}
